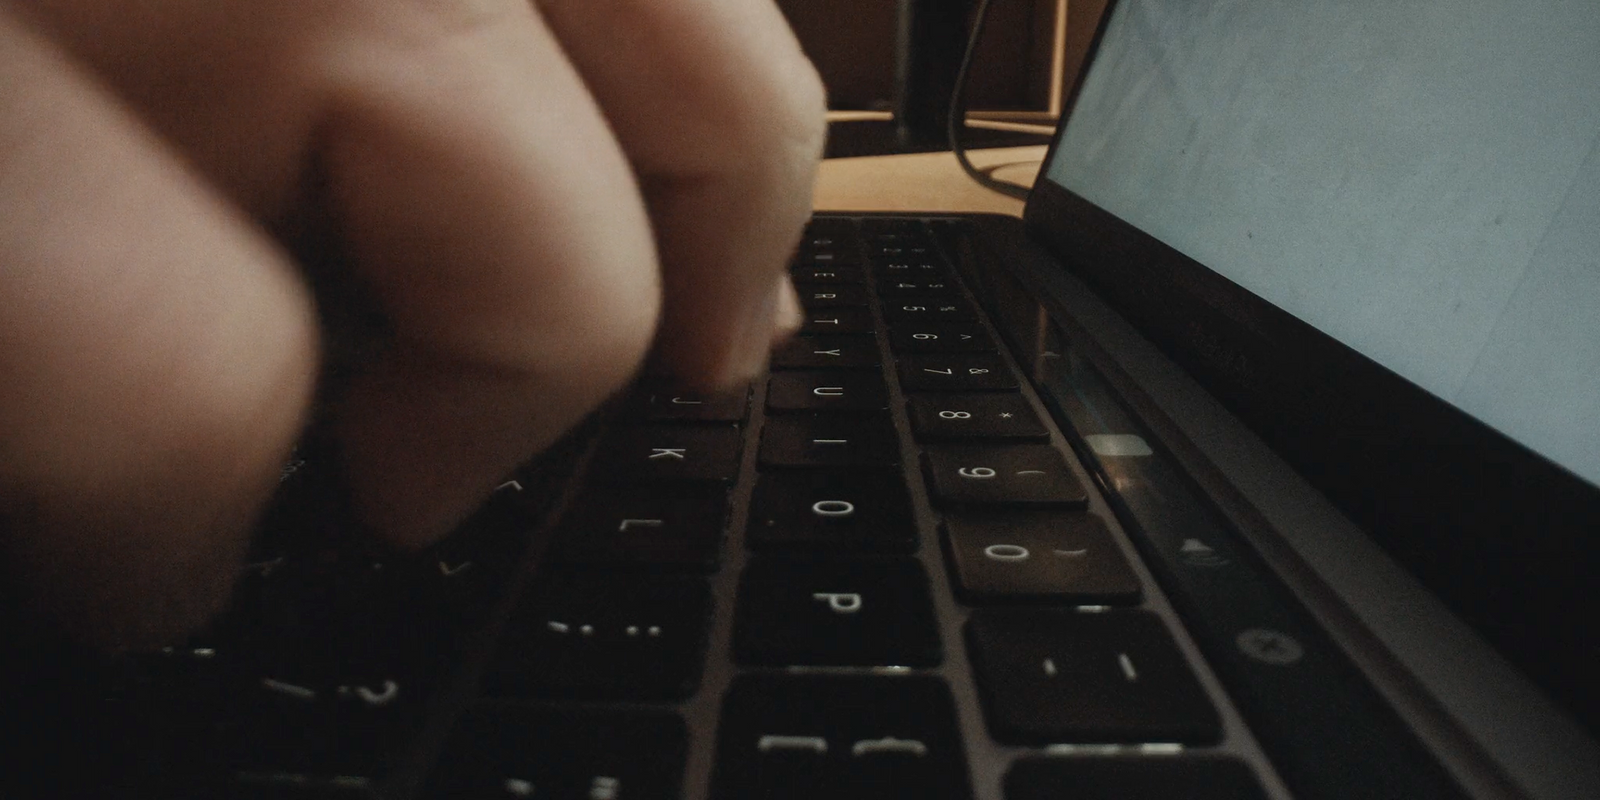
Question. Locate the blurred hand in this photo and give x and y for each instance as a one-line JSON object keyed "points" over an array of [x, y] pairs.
{"points": [[536, 195]]}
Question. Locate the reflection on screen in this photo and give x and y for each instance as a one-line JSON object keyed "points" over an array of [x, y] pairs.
{"points": [[1420, 180]]}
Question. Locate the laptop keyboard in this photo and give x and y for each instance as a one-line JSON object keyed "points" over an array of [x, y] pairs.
{"points": [[876, 572]]}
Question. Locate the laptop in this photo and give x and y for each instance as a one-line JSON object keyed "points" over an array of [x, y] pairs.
{"points": [[1260, 460]]}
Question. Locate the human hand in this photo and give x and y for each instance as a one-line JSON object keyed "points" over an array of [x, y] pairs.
{"points": [[534, 194]]}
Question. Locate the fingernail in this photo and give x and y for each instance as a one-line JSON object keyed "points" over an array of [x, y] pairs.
{"points": [[789, 314]]}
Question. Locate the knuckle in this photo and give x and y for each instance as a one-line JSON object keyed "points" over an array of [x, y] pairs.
{"points": [[789, 116]]}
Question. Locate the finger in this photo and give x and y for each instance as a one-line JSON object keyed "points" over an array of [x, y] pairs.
{"points": [[489, 207], [722, 117], [157, 357]]}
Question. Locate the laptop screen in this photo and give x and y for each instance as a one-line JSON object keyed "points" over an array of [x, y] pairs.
{"points": [[1420, 181]]}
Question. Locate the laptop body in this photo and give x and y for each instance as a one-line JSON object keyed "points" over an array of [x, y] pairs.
{"points": [[1448, 559], [1375, 594]]}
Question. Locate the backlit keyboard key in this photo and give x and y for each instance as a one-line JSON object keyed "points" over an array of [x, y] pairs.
{"points": [[622, 637], [831, 513], [829, 440], [1132, 778], [975, 417], [924, 337], [836, 613], [841, 738], [827, 352], [509, 751], [1018, 556], [955, 373], [830, 321], [933, 309], [815, 296], [670, 453], [1020, 475], [828, 391], [1067, 676], [669, 527]]}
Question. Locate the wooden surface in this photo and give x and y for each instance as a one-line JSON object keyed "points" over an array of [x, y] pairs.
{"points": [[924, 182]]}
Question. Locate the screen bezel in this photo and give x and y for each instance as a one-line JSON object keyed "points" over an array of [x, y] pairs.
{"points": [[1504, 536]]}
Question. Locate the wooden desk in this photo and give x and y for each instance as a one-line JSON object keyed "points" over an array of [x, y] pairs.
{"points": [[924, 182]]}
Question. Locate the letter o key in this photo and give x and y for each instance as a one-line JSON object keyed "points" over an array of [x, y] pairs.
{"points": [[1007, 552]]}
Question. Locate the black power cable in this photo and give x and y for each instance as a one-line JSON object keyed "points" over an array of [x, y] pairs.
{"points": [[958, 114]]}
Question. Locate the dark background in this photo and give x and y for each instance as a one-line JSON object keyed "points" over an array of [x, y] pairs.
{"points": [[852, 43]]}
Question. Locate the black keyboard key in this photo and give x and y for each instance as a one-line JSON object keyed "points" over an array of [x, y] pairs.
{"points": [[816, 296], [841, 738], [832, 229], [821, 257], [901, 249], [1132, 778], [1010, 556], [935, 309], [827, 391], [510, 751], [663, 404], [342, 621], [1067, 676], [827, 274], [926, 337], [893, 228], [670, 452], [659, 526], [956, 417], [832, 513], [955, 373], [465, 573], [604, 636], [836, 613], [894, 291], [334, 697], [827, 352], [1019, 475], [836, 247], [311, 746], [296, 786], [829, 440], [831, 321], [902, 266]]}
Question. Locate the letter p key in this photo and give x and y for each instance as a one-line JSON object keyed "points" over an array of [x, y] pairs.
{"points": [[839, 602]]}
